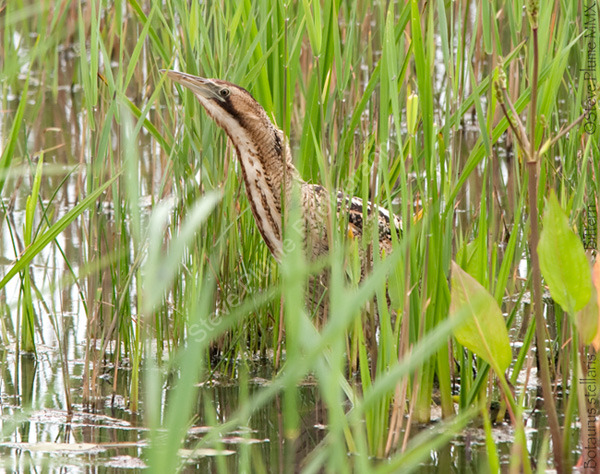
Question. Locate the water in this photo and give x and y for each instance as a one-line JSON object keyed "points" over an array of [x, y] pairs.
{"points": [[49, 420], [38, 431], [106, 436]]}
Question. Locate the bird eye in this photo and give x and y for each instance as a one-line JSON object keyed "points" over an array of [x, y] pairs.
{"points": [[224, 92]]}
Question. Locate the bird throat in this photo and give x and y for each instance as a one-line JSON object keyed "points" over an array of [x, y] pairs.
{"points": [[265, 177], [266, 165]]}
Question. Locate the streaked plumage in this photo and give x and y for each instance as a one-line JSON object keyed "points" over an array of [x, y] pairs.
{"points": [[269, 173]]}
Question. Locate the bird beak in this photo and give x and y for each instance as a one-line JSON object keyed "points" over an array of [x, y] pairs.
{"points": [[198, 85]]}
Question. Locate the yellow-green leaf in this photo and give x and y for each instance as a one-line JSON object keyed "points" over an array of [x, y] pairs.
{"points": [[563, 262], [484, 332], [587, 319]]}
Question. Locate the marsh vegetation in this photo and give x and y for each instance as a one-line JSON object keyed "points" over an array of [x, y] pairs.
{"points": [[144, 320]]}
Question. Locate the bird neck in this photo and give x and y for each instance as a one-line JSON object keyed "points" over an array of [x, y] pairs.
{"points": [[268, 174]]}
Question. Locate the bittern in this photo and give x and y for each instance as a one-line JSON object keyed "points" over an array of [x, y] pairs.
{"points": [[269, 173]]}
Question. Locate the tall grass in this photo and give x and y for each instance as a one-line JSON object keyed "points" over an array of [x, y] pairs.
{"points": [[395, 103]]}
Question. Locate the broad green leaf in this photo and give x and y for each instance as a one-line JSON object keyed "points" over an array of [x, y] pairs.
{"points": [[587, 319], [563, 262], [484, 332]]}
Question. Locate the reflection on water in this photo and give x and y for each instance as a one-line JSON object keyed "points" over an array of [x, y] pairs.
{"points": [[113, 436], [68, 396], [73, 311], [37, 431]]}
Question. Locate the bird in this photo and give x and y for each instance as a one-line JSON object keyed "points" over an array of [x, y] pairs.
{"points": [[269, 177], [269, 173]]}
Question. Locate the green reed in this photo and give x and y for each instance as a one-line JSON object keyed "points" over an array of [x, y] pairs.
{"points": [[394, 103]]}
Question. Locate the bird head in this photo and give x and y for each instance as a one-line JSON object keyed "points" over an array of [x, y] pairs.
{"points": [[231, 106]]}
